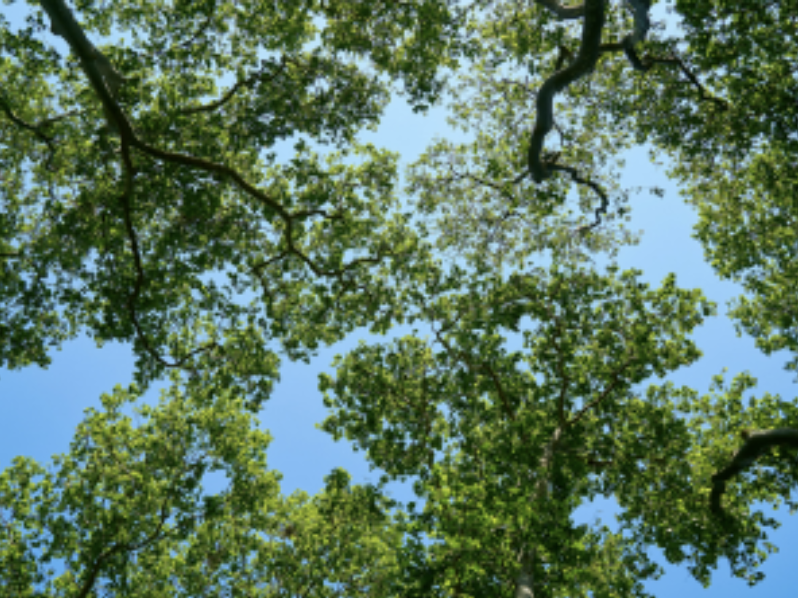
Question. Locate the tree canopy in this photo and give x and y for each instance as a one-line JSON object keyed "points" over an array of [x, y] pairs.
{"points": [[143, 202]]}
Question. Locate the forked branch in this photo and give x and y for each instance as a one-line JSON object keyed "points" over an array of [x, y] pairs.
{"points": [[583, 64], [590, 50]]}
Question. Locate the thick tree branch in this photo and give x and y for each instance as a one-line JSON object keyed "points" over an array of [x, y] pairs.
{"points": [[642, 24], [590, 50], [118, 121], [583, 64], [757, 443], [97, 66]]}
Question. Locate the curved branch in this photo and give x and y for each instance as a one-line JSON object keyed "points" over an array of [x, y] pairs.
{"points": [[97, 68], [132, 299], [605, 201], [36, 129], [96, 568], [590, 50], [642, 24], [757, 443], [233, 90], [648, 61], [585, 61]]}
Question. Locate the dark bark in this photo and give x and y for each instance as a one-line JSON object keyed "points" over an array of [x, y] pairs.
{"points": [[756, 444], [590, 50]]}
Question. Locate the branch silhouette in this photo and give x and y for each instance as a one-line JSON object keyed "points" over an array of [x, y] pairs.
{"points": [[757, 443]]}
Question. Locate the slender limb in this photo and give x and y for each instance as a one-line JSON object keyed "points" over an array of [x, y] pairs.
{"points": [[605, 200], [36, 129]]}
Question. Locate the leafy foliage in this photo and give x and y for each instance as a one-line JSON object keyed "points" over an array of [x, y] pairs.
{"points": [[143, 202]]}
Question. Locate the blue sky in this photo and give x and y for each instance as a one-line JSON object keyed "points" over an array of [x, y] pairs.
{"points": [[39, 409]]}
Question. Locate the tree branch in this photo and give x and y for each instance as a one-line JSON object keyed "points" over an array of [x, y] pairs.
{"points": [[590, 50], [37, 129], [94, 62], [703, 94], [583, 64], [757, 443], [233, 90], [605, 201], [642, 24], [96, 567], [105, 81]]}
